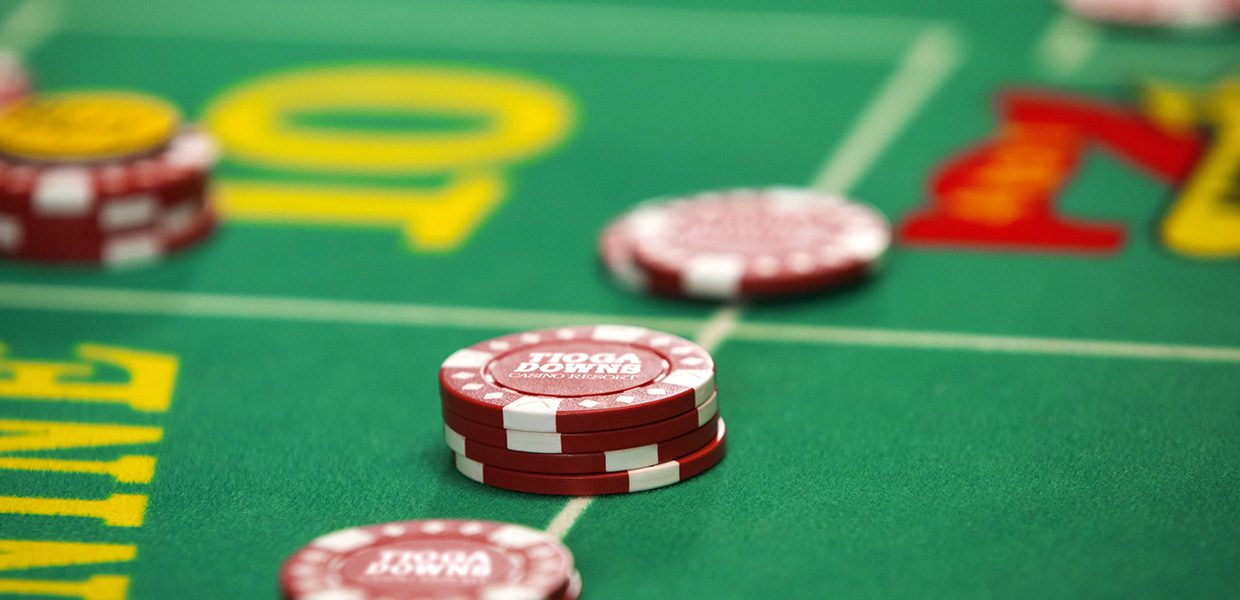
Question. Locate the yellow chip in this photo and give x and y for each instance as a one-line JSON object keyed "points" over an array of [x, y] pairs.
{"points": [[86, 126]]}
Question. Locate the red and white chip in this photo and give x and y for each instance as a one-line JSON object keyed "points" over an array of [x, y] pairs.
{"points": [[755, 242], [586, 441], [168, 229], [1158, 13], [437, 559], [621, 482], [577, 379], [66, 191], [584, 462]]}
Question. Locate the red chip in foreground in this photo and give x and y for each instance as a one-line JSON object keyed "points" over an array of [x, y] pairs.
{"points": [[445, 559], [1157, 13], [575, 379], [635, 480], [588, 441], [756, 242], [584, 462]]}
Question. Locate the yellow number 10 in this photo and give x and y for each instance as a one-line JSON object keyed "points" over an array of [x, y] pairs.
{"points": [[267, 123]]}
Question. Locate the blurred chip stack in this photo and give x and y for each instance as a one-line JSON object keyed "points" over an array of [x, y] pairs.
{"points": [[101, 178]]}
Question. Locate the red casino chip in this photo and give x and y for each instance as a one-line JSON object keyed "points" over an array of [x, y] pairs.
{"points": [[434, 559], [175, 228], [1157, 13], [635, 480], [756, 243], [113, 215], [585, 462], [593, 441], [577, 379], [72, 190]]}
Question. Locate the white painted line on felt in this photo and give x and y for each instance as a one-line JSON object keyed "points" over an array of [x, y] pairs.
{"points": [[570, 29], [277, 308], [568, 516], [1066, 45], [724, 323], [989, 344], [925, 67], [721, 324], [29, 25]]}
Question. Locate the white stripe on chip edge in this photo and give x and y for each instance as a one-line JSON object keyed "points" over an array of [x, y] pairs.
{"points": [[708, 410], [714, 276], [64, 191], [131, 250], [194, 150], [525, 441], [618, 333], [648, 478], [701, 380], [469, 467], [532, 413], [613, 460], [467, 358], [552, 443], [631, 458], [344, 540], [664, 474], [454, 440], [129, 212]]}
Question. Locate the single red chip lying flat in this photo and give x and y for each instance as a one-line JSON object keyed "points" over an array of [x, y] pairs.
{"points": [[577, 379], [590, 441], [636, 480], [585, 462], [436, 559], [755, 242]]}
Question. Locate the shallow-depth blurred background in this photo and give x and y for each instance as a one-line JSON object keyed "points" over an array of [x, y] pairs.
{"points": [[1033, 397]]}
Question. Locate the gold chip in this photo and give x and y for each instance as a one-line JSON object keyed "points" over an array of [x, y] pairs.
{"points": [[87, 126]]}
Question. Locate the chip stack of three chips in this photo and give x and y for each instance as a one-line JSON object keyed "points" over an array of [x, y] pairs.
{"points": [[101, 178], [580, 411]]}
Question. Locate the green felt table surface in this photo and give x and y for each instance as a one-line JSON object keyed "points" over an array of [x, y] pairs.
{"points": [[969, 424]]}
